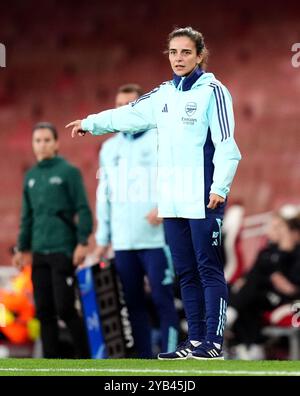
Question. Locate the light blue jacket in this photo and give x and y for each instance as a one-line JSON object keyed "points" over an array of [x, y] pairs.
{"points": [[197, 153], [127, 192]]}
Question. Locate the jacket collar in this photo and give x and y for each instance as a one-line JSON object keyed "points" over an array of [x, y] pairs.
{"points": [[186, 83], [46, 163]]}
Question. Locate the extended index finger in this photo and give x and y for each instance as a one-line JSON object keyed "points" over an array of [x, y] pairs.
{"points": [[73, 123]]}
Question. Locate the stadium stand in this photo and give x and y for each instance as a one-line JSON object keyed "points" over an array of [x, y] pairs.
{"points": [[57, 70]]}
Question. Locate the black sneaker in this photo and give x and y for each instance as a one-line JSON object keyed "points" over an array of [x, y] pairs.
{"points": [[182, 352], [207, 351]]}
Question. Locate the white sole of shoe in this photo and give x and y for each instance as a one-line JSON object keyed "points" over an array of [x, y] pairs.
{"points": [[203, 358], [179, 358], [188, 356]]}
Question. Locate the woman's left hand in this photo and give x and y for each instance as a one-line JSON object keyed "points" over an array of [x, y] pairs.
{"points": [[153, 218], [214, 201]]}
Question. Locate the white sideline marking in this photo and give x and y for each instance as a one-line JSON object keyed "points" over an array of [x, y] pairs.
{"points": [[199, 372]]}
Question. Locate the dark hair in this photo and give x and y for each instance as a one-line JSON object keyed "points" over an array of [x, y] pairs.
{"points": [[46, 125], [196, 37], [130, 88]]}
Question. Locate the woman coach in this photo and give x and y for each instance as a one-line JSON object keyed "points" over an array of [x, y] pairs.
{"points": [[197, 161]]}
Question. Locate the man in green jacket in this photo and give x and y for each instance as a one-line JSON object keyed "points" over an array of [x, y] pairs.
{"points": [[55, 225]]}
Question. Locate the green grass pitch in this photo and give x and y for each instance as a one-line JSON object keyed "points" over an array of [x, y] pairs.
{"points": [[140, 367]]}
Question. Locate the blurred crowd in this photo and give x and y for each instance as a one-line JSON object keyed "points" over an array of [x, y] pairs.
{"points": [[267, 294]]}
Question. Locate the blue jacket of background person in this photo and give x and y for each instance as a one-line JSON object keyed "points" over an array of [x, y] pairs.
{"points": [[127, 192]]}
